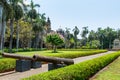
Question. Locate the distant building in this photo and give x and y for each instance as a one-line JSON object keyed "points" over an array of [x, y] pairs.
{"points": [[116, 44], [48, 25]]}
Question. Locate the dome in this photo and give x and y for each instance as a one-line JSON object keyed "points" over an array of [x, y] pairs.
{"points": [[116, 40]]}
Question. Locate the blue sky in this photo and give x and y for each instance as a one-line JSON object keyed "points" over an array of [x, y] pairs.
{"points": [[81, 13]]}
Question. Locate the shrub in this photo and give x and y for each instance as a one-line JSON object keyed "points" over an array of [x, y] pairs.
{"points": [[75, 55], [7, 64], [81, 71], [24, 50], [54, 39]]}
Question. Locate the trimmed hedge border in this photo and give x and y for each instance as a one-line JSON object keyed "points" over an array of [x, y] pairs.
{"points": [[80, 71], [75, 55], [77, 49], [7, 64]]}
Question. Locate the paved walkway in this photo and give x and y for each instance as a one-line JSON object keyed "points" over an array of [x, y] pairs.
{"points": [[18, 75]]}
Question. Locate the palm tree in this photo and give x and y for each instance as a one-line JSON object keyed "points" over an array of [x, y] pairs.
{"points": [[84, 33], [43, 22], [13, 4], [1, 28], [18, 15], [32, 14], [110, 35], [38, 28], [67, 37], [101, 36], [91, 37], [6, 12], [76, 32]]}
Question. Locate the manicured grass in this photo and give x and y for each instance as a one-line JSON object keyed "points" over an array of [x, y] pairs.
{"points": [[112, 72], [63, 53], [80, 71]]}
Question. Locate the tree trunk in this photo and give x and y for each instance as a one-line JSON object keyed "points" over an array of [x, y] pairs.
{"points": [[102, 44], [1, 14], [65, 42], [30, 41], [110, 44], [3, 29], [17, 42], [55, 49], [75, 42], [41, 37], [91, 44], [41, 43], [2, 36], [11, 35], [37, 40]]}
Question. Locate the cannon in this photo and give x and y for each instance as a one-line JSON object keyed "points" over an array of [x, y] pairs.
{"points": [[16, 56], [53, 60], [23, 63]]}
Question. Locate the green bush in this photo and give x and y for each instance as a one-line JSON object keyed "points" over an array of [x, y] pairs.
{"points": [[75, 55], [78, 49], [7, 64], [81, 71], [55, 40], [24, 50]]}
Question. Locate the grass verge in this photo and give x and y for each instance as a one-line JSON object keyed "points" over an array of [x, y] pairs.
{"points": [[112, 72]]}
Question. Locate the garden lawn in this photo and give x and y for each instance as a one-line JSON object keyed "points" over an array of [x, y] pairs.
{"points": [[112, 72], [63, 54]]}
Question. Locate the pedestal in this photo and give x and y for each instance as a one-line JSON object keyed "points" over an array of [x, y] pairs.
{"points": [[52, 66], [36, 64], [23, 65]]}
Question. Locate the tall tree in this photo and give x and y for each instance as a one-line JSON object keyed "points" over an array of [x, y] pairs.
{"points": [[76, 32], [101, 36], [110, 34], [33, 15], [91, 37], [67, 37], [6, 12], [84, 34], [39, 28], [14, 4], [18, 15]]}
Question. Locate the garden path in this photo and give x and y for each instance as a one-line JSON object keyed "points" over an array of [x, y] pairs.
{"points": [[18, 75]]}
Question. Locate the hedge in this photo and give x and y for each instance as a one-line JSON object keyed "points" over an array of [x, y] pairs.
{"points": [[24, 50], [77, 49], [81, 71], [75, 55], [7, 64]]}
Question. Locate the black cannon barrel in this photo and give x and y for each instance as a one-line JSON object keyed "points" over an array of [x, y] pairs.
{"points": [[16, 56], [53, 60]]}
